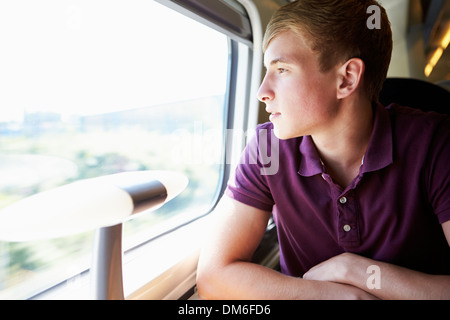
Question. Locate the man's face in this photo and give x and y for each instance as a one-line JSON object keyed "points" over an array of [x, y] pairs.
{"points": [[300, 98]]}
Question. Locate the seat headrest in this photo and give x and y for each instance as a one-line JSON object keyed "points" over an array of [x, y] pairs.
{"points": [[415, 93]]}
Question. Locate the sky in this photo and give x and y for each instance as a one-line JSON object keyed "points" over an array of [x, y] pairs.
{"points": [[96, 56]]}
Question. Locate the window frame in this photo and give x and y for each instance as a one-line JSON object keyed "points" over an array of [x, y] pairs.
{"points": [[182, 266]]}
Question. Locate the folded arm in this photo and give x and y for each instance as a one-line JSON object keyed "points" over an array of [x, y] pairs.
{"points": [[384, 280], [224, 270]]}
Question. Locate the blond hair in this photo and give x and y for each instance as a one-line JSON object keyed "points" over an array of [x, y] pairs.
{"points": [[337, 30]]}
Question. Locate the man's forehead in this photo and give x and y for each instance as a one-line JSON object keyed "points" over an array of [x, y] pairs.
{"points": [[286, 47]]}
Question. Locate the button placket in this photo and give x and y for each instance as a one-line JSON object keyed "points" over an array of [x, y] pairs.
{"points": [[347, 221]]}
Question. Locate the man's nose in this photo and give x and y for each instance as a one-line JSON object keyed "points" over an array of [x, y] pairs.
{"points": [[265, 93]]}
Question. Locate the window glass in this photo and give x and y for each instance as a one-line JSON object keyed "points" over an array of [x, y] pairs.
{"points": [[96, 87]]}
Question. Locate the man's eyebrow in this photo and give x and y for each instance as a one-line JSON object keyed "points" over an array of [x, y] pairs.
{"points": [[278, 60]]}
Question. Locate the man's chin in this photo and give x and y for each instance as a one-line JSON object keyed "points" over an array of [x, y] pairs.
{"points": [[283, 135], [279, 134]]}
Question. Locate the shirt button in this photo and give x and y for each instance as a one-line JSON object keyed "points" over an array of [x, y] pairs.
{"points": [[343, 200], [347, 228]]}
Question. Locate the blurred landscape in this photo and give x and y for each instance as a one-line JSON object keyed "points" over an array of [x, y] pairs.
{"points": [[47, 150]]}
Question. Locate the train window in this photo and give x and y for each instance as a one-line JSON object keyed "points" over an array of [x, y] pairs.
{"points": [[90, 88]]}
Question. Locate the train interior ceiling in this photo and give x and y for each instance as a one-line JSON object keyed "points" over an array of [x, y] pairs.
{"points": [[421, 31]]}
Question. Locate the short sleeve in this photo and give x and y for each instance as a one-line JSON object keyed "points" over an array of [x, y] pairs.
{"points": [[439, 172], [248, 185]]}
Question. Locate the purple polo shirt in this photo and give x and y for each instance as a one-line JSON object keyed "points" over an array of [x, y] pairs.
{"points": [[392, 211]]}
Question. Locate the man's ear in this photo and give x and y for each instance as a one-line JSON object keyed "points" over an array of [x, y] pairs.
{"points": [[350, 76]]}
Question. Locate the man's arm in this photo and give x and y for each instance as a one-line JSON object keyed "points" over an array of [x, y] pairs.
{"points": [[224, 270], [394, 282]]}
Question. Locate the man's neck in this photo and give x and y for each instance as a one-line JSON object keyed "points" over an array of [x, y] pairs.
{"points": [[344, 142]]}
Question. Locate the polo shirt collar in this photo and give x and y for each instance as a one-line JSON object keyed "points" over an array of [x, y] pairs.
{"points": [[378, 155], [310, 163]]}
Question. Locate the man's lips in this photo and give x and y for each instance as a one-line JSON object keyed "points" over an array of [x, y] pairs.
{"points": [[274, 115]]}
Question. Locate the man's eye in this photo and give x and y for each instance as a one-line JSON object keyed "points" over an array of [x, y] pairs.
{"points": [[282, 70]]}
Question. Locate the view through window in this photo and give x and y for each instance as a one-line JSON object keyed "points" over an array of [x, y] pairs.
{"points": [[96, 87]]}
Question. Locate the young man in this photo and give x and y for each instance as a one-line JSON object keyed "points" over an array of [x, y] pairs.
{"points": [[361, 197]]}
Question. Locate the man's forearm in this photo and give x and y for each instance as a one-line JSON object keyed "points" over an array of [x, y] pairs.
{"points": [[399, 283], [243, 280], [384, 280]]}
